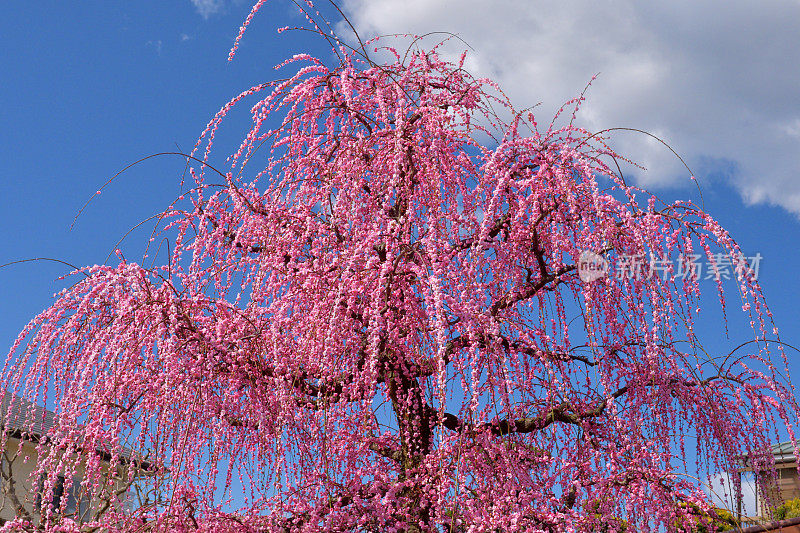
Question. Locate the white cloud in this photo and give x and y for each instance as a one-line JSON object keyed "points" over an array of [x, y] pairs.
{"points": [[721, 489], [718, 81], [206, 8]]}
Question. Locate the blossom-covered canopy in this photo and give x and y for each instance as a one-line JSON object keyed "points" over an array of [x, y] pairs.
{"points": [[376, 316]]}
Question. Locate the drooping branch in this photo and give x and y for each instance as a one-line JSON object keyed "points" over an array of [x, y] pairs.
{"points": [[563, 412], [514, 297], [501, 223], [10, 481], [386, 451]]}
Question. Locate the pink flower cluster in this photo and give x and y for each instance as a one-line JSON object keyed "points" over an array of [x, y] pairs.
{"points": [[371, 320]]}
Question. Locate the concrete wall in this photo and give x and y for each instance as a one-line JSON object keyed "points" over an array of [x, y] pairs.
{"points": [[18, 495], [786, 486], [19, 465]]}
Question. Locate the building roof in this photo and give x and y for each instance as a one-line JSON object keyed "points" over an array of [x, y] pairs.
{"points": [[782, 455], [25, 416], [783, 452], [31, 421]]}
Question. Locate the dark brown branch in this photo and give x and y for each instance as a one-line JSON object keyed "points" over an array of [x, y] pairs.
{"points": [[515, 297], [498, 226], [386, 451], [10, 488], [536, 352], [430, 366], [561, 413]]}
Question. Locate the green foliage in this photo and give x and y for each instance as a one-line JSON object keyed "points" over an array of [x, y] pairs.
{"points": [[606, 524], [715, 520], [789, 509]]}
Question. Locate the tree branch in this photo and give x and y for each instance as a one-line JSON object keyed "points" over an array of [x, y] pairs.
{"points": [[512, 298], [563, 412]]}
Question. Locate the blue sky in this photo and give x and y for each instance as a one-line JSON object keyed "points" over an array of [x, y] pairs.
{"points": [[88, 87]]}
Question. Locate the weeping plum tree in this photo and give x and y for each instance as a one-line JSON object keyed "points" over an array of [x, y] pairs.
{"points": [[374, 318]]}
